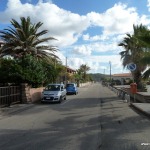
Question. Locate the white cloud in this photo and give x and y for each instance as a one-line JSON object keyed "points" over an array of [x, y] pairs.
{"points": [[95, 62], [67, 27], [117, 20], [83, 50], [98, 47], [75, 63], [86, 37], [63, 25]]}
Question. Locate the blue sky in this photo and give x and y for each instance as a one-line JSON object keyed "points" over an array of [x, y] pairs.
{"points": [[87, 31]]}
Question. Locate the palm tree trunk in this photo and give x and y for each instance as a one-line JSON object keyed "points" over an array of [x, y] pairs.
{"points": [[138, 79]]}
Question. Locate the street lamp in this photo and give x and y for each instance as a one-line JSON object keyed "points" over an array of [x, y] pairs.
{"points": [[66, 73], [110, 70]]}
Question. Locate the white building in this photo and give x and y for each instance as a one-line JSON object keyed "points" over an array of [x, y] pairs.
{"points": [[122, 77]]}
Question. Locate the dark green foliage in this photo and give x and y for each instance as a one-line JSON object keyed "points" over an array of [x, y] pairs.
{"points": [[32, 70], [25, 70], [83, 71], [53, 71], [32, 61], [134, 51], [7, 70]]}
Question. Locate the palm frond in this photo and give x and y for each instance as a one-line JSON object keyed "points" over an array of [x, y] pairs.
{"points": [[146, 74], [23, 38]]}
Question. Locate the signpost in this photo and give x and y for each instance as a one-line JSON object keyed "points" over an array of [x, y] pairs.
{"points": [[133, 86], [131, 66]]}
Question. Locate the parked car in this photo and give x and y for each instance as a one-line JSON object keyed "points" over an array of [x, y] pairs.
{"points": [[54, 93], [71, 88]]}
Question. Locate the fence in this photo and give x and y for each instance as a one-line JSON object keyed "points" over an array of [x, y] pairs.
{"points": [[9, 95]]}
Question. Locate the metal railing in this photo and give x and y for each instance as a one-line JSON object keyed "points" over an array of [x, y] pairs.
{"points": [[10, 95]]}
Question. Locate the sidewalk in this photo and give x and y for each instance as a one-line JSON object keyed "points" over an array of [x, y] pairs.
{"points": [[16, 108], [143, 107]]}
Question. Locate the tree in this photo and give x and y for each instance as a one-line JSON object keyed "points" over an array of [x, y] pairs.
{"points": [[27, 70], [25, 38], [83, 69], [134, 52], [146, 61], [54, 72], [145, 41]]}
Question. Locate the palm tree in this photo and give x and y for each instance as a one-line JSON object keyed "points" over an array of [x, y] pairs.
{"points": [[145, 40], [84, 68], [134, 52], [25, 38]]}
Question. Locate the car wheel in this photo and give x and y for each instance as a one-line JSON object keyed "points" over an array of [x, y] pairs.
{"points": [[65, 98]]}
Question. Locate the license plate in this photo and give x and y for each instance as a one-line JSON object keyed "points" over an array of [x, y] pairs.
{"points": [[47, 97]]}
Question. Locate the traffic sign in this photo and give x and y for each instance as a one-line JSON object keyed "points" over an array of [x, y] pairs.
{"points": [[131, 66]]}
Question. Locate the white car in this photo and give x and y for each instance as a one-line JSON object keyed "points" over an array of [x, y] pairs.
{"points": [[54, 93]]}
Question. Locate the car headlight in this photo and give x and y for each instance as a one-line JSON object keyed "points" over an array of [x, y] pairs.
{"points": [[58, 94]]}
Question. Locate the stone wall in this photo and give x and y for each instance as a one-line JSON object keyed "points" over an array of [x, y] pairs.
{"points": [[84, 84], [25, 94], [29, 94]]}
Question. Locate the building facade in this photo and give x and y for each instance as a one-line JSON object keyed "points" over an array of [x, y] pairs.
{"points": [[122, 77]]}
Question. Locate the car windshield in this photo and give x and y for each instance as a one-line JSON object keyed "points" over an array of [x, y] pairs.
{"points": [[70, 85], [53, 87]]}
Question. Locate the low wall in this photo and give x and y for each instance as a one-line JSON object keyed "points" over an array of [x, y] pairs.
{"points": [[143, 97], [84, 84]]}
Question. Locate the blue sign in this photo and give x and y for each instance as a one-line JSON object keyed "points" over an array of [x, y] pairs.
{"points": [[131, 66]]}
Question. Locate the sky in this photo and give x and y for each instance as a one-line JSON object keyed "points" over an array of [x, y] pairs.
{"points": [[87, 31]]}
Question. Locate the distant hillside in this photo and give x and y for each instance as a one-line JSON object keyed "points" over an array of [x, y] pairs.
{"points": [[97, 76]]}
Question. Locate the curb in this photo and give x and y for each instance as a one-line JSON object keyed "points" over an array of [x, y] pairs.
{"points": [[15, 109], [141, 110]]}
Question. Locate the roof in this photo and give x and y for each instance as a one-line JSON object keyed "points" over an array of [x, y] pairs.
{"points": [[122, 75], [70, 69]]}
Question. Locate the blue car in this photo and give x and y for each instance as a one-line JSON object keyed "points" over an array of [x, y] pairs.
{"points": [[71, 88]]}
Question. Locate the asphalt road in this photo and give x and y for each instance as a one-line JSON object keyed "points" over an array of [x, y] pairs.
{"points": [[95, 119], [123, 128], [72, 125]]}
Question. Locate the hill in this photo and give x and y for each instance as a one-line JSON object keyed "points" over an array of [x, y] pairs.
{"points": [[97, 76]]}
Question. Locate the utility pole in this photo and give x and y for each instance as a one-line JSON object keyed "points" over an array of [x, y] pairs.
{"points": [[66, 73], [104, 75]]}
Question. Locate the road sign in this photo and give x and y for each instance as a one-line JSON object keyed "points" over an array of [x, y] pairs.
{"points": [[131, 66]]}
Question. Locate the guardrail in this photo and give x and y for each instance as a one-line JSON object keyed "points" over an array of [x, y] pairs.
{"points": [[120, 92]]}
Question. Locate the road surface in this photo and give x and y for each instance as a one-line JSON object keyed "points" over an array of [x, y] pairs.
{"points": [[95, 119]]}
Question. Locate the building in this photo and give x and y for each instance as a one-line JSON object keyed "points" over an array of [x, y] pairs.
{"points": [[67, 75], [122, 77], [71, 71]]}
